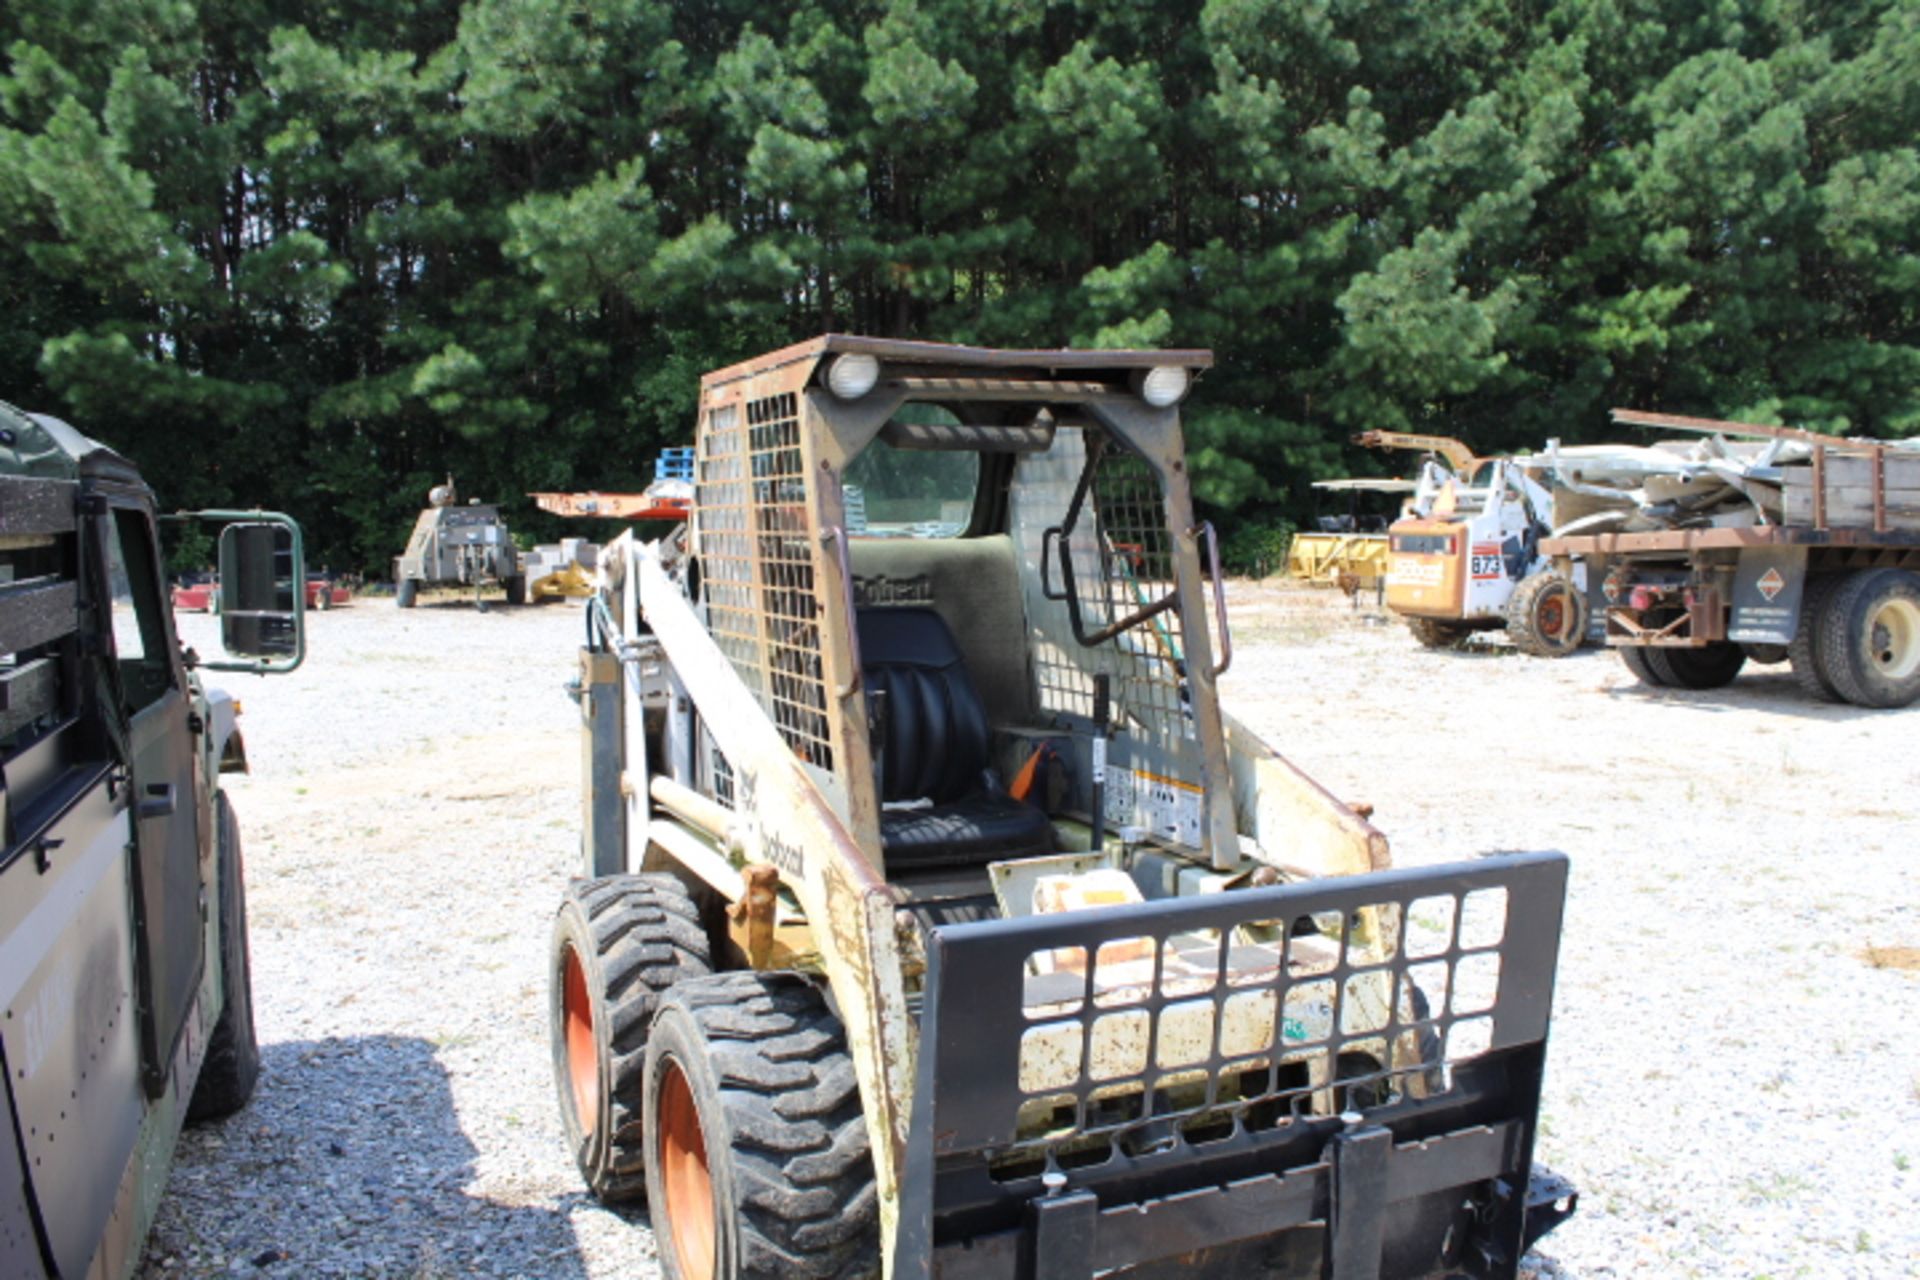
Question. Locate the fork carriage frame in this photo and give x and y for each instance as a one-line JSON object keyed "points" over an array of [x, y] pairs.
{"points": [[759, 662]]}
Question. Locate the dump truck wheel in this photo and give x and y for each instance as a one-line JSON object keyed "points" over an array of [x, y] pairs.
{"points": [[1637, 660], [405, 591], [619, 943], [1709, 667], [1436, 634], [516, 590], [232, 1065], [1869, 643], [757, 1159], [1804, 653], [1546, 615]]}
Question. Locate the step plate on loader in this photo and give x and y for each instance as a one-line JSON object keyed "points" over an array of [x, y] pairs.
{"points": [[1333, 1078]]}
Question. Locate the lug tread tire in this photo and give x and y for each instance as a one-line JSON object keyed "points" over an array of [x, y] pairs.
{"points": [[232, 1065], [1841, 646], [1711, 666], [798, 1178], [646, 937], [1804, 653], [1523, 615], [1434, 633], [1639, 661]]}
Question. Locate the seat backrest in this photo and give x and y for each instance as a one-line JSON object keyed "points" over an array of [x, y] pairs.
{"points": [[935, 736]]}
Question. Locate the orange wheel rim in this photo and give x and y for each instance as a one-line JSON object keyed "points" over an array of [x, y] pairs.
{"points": [[583, 1060], [683, 1168], [1553, 616]]}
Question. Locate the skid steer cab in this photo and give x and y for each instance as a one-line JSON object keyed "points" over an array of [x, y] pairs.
{"points": [[936, 921], [125, 989]]}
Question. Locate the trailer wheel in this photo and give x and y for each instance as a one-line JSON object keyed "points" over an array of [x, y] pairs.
{"points": [[1710, 666], [1869, 642], [1546, 615], [757, 1159], [1805, 653], [1433, 633], [516, 589], [232, 1065], [619, 943], [405, 591]]}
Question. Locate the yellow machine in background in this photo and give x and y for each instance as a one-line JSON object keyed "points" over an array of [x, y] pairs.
{"points": [[1342, 552]]}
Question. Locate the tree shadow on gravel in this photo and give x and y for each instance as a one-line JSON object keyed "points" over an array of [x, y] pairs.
{"points": [[349, 1161]]}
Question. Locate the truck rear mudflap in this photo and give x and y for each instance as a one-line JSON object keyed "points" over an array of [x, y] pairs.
{"points": [[1332, 1078]]}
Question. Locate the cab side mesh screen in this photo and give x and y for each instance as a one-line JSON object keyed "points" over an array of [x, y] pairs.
{"points": [[757, 567]]}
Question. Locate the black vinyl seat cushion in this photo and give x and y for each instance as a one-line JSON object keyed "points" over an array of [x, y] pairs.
{"points": [[935, 743]]}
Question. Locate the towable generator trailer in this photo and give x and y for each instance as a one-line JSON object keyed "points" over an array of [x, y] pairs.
{"points": [[937, 920], [125, 997]]}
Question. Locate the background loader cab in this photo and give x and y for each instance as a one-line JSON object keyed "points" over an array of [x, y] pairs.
{"points": [[127, 1007], [937, 919]]}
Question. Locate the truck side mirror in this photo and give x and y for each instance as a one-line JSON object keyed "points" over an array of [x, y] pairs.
{"points": [[259, 614], [262, 590]]}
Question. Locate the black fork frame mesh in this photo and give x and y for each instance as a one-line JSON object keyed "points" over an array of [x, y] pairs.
{"points": [[976, 1191]]}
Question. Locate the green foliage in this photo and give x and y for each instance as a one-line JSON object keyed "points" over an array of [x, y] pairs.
{"points": [[316, 256], [1258, 546]]}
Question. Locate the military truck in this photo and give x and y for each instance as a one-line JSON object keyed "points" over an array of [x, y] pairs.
{"points": [[454, 545], [936, 919], [125, 1002]]}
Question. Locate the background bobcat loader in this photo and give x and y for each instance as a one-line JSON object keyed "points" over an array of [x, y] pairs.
{"points": [[938, 922]]}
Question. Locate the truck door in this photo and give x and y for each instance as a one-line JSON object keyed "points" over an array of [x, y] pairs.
{"points": [[170, 901]]}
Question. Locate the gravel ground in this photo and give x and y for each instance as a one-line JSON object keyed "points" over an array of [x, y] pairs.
{"points": [[1734, 1079]]}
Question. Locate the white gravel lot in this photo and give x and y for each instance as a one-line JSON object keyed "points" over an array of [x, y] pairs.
{"points": [[1733, 1082]]}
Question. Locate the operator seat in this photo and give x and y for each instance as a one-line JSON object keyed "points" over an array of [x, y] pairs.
{"points": [[932, 737]]}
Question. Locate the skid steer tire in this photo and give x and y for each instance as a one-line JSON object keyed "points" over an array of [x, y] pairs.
{"points": [[619, 943], [1869, 642], [1432, 633], [1710, 666], [1637, 659], [405, 592], [232, 1065], [1546, 615], [1804, 653], [757, 1160]]}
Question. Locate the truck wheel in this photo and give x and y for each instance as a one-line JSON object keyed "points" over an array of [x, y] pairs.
{"points": [[404, 592], [619, 943], [1710, 666], [1546, 615], [757, 1159], [1638, 660], [516, 589], [1805, 652], [1436, 634], [1869, 643], [323, 599], [232, 1064], [1765, 654]]}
